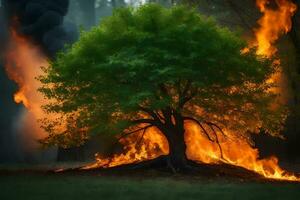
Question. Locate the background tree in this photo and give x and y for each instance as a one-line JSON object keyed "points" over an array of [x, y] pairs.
{"points": [[293, 127], [158, 67], [89, 12]]}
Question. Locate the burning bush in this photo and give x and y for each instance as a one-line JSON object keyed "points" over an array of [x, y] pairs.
{"points": [[163, 71]]}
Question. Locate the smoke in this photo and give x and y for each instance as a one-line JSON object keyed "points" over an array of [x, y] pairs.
{"points": [[42, 21]]}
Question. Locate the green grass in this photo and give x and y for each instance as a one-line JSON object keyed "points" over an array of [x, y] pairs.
{"points": [[64, 187]]}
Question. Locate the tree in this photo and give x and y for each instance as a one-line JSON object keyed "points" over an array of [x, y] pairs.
{"points": [[293, 129], [158, 67]]}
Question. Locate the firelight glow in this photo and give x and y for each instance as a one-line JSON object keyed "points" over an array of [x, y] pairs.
{"points": [[24, 61], [234, 150], [23, 64]]}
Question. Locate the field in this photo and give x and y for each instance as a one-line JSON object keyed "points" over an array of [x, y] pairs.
{"points": [[46, 186]]}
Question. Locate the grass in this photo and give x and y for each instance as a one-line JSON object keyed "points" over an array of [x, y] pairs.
{"points": [[81, 187]]}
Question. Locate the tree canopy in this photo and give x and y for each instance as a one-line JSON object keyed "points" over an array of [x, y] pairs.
{"points": [[141, 62]]}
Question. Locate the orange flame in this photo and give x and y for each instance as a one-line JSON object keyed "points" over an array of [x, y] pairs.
{"points": [[238, 151], [234, 150], [274, 23], [152, 144], [23, 64]]}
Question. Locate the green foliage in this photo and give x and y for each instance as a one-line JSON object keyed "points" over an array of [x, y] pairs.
{"points": [[156, 58]]}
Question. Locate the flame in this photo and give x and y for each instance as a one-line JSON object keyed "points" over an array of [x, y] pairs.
{"points": [[23, 64], [233, 150], [152, 144], [273, 24]]}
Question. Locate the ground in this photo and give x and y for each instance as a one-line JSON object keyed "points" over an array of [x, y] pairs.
{"points": [[43, 185]]}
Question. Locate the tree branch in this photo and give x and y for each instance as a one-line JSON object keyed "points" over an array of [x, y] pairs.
{"points": [[215, 125], [163, 89], [149, 112], [201, 126], [211, 126], [186, 88], [132, 132], [185, 97], [167, 113], [160, 117], [183, 101], [143, 121], [217, 141], [141, 139]]}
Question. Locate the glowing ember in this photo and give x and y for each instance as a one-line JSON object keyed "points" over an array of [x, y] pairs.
{"points": [[23, 64]]}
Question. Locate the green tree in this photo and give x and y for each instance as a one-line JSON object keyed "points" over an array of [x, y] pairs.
{"points": [[160, 67]]}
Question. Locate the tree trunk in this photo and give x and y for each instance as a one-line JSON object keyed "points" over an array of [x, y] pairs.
{"points": [[174, 133], [177, 158]]}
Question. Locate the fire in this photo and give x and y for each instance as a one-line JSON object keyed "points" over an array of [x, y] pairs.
{"points": [[151, 144], [24, 61], [274, 23], [23, 64], [235, 151], [232, 149]]}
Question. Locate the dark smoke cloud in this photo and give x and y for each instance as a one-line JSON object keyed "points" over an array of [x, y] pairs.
{"points": [[43, 21]]}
